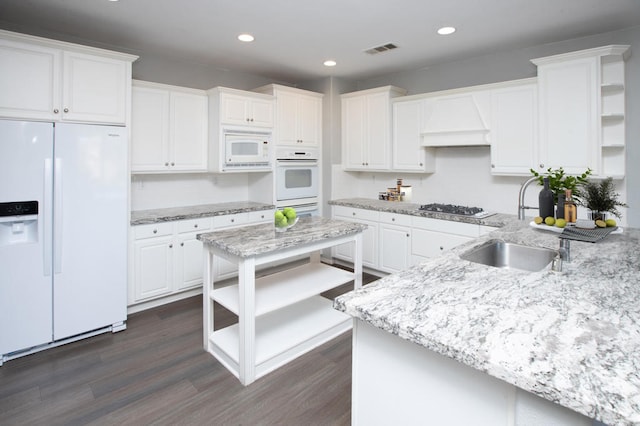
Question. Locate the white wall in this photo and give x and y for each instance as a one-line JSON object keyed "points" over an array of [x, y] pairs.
{"points": [[175, 190]]}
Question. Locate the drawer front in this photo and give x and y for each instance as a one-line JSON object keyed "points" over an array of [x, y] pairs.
{"points": [[446, 226], [353, 213], [193, 225], [152, 230], [395, 219], [229, 220], [262, 216]]}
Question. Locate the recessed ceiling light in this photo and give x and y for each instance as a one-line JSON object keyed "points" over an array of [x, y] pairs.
{"points": [[245, 37], [330, 63], [446, 30]]}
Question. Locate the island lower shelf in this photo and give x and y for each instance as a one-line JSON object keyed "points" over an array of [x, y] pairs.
{"points": [[282, 335], [284, 288]]}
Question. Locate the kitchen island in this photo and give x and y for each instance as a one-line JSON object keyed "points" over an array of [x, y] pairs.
{"points": [[496, 345], [280, 316]]}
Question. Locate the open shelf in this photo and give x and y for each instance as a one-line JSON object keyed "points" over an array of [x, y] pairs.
{"points": [[284, 334], [284, 288]]}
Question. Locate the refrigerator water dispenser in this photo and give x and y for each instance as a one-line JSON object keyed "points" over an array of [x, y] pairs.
{"points": [[18, 222]]}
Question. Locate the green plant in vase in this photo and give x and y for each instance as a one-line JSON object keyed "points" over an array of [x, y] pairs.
{"points": [[559, 182], [601, 198]]}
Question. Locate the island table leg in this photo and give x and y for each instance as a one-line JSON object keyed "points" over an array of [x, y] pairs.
{"points": [[247, 320]]}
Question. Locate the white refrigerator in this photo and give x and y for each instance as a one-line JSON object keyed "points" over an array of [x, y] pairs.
{"points": [[63, 233]]}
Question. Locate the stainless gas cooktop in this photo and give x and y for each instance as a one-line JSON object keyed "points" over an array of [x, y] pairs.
{"points": [[457, 210]]}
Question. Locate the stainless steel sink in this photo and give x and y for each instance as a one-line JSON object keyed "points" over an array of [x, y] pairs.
{"points": [[508, 255]]}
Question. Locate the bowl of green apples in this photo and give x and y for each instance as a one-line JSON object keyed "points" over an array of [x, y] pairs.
{"points": [[285, 219]]}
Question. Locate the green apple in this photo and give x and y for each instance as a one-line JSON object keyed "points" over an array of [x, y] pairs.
{"points": [[282, 223]]}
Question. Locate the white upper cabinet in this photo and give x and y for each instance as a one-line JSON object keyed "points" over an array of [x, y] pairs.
{"points": [[298, 116], [581, 110], [408, 153], [366, 128], [169, 129], [43, 79], [514, 128], [242, 108]]}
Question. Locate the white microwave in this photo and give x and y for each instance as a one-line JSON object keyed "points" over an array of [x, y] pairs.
{"points": [[246, 149]]}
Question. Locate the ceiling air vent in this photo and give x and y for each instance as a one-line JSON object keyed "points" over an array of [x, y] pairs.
{"points": [[380, 49]]}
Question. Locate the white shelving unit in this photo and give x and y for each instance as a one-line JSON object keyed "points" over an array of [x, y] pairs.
{"points": [[280, 316]]}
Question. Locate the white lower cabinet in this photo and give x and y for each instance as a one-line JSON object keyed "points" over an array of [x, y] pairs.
{"points": [[369, 235], [432, 237], [167, 257], [393, 242]]}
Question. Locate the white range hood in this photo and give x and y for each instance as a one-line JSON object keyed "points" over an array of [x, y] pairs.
{"points": [[455, 121]]}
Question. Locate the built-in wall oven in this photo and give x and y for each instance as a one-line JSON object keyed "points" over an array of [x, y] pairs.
{"points": [[297, 179]]}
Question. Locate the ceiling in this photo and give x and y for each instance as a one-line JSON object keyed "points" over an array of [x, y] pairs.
{"points": [[294, 37]]}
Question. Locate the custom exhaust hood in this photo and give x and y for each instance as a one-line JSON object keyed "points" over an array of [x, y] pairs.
{"points": [[455, 121]]}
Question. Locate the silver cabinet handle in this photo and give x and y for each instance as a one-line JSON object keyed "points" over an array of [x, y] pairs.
{"points": [[166, 164], [233, 220], [195, 226], [181, 244], [66, 110], [542, 166], [55, 111], [155, 231], [441, 248], [170, 245], [420, 164], [393, 219], [408, 235], [173, 164], [354, 213]]}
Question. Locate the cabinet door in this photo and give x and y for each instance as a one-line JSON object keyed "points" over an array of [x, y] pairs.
{"points": [[188, 262], [395, 247], [309, 120], [568, 115], [514, 130], [369, 245], [153, 267], [94, 89], [149, 130], [29, 81], [287, 129], [408, 153], [260, 113], [426, 244], [233, 109], [353, 133], [378, 119], [188, 132]]}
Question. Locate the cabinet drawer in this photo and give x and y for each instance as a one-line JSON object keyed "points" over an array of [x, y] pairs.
{"points": [[230, 220], [192, 225], [446, 226], [152, 230], [353, 213], [395, 219], [431, 243], [260, 216]]}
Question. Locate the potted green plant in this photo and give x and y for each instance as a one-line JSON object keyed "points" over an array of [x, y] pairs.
{"points": [[559, 182], [601, 198]]}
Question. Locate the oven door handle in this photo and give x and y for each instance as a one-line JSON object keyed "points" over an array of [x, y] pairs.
{"points": [[294, 163]]}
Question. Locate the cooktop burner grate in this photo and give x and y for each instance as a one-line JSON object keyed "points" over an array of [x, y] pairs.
{"points": [[453, 209]]}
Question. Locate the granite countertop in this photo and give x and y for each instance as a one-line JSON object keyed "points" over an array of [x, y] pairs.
{"points": [[495, 220], [570, 337], [141, 217], [260, 239]]}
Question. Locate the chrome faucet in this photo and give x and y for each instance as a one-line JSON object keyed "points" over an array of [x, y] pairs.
{"points": [[523, 189], [564, 255]]}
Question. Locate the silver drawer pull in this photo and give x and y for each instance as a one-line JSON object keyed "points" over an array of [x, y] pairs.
{"points": [[155, 231]]}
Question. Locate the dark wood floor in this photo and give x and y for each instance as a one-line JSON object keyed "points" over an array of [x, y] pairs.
{"points": [[157, 372]]}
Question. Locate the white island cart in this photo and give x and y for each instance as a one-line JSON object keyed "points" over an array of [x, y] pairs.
{"points": [[282, 315]]}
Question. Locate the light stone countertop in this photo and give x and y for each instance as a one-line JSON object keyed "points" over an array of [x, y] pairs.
{"points": [[496, 220], [141, 217], [259, 239], [570, 337]]}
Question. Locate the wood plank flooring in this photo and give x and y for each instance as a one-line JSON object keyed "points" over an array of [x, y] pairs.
{"points": [[157, 372]]}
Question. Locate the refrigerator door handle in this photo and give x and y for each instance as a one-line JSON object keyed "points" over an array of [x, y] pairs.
{"points": [[57, 216], [46, 218]]}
